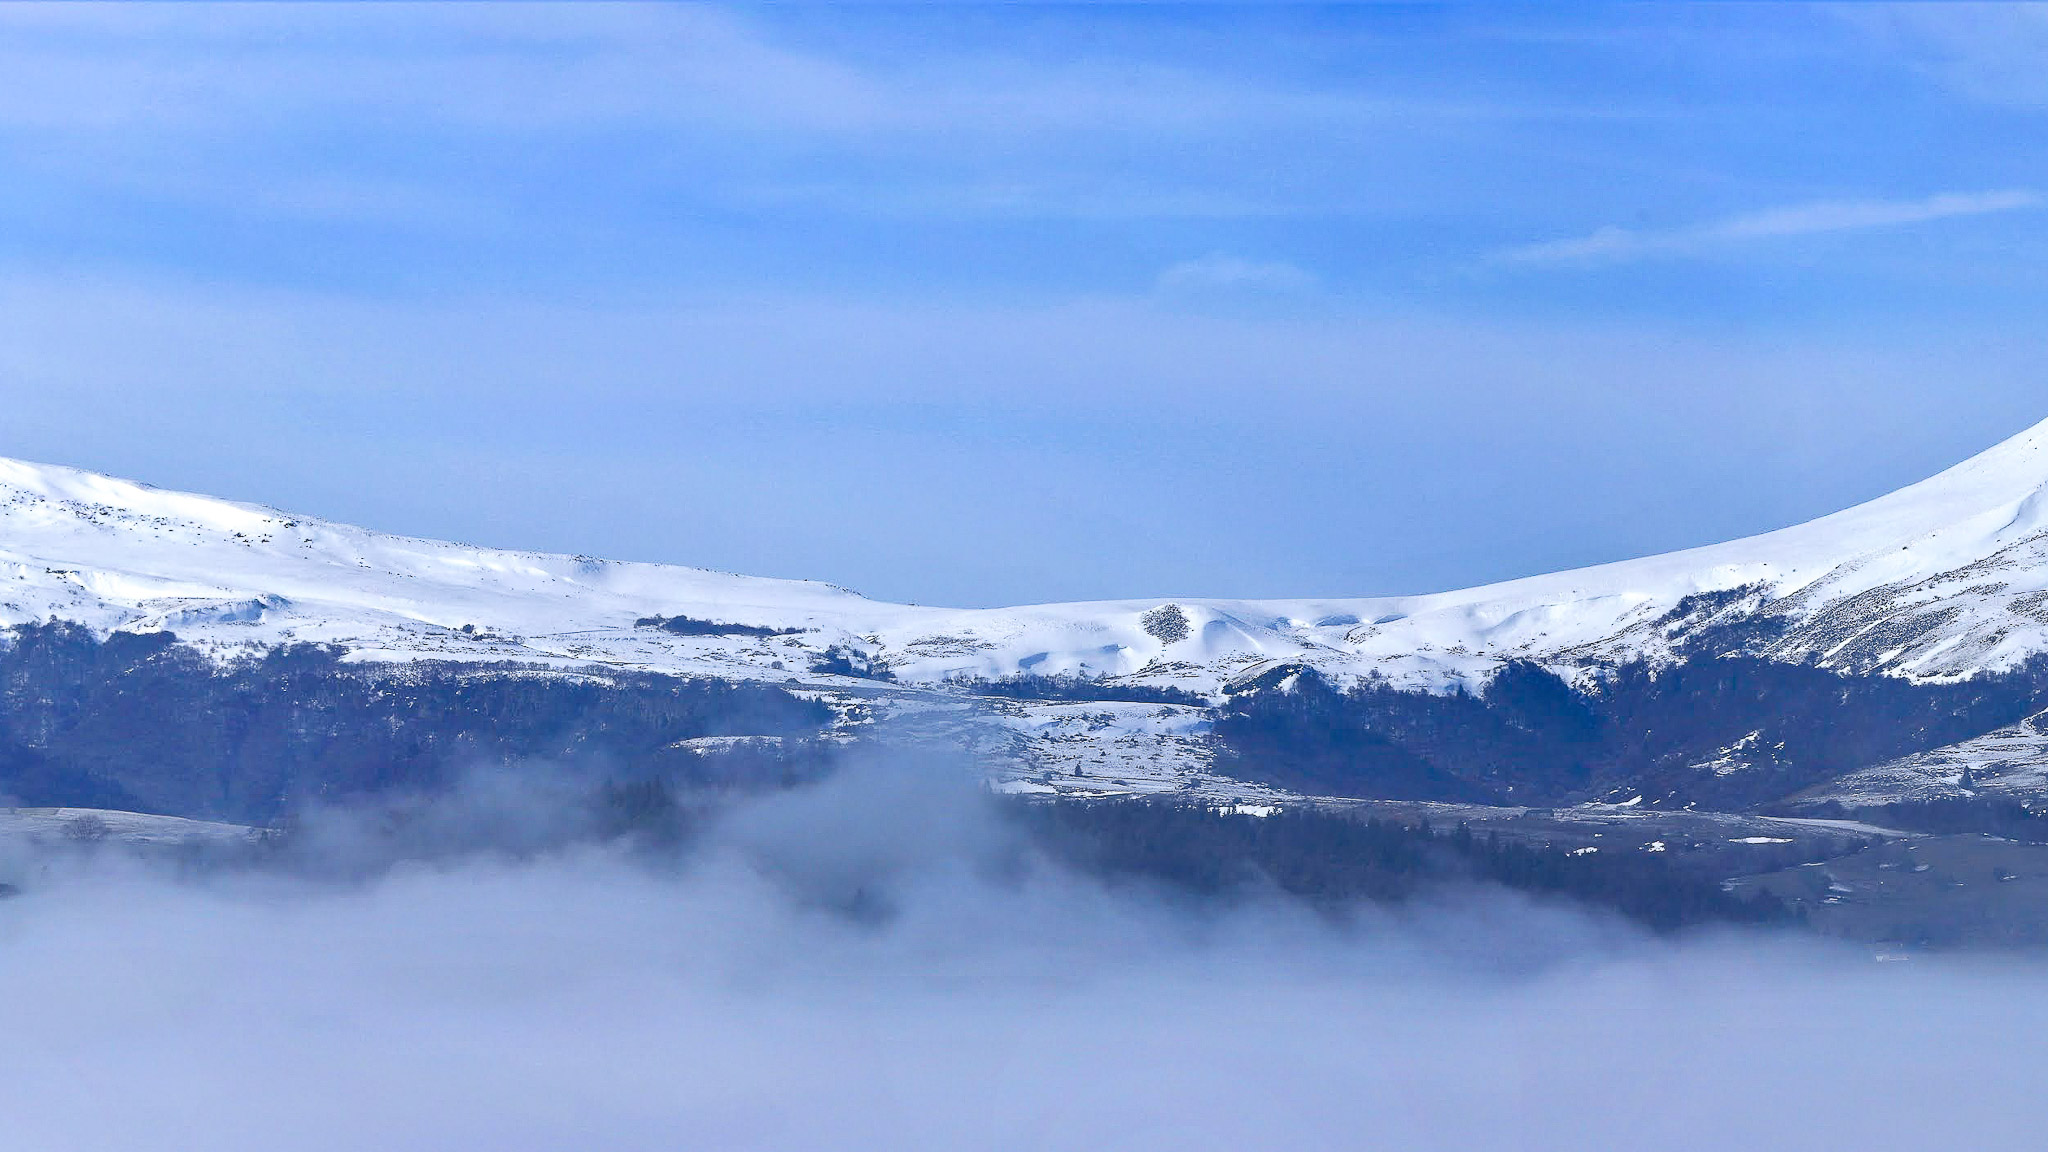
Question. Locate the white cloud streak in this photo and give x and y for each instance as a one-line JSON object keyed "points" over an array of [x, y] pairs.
{"points": [[527, 67], [191, 106], [1615, 245], [1222, 273], [1993, 53]]}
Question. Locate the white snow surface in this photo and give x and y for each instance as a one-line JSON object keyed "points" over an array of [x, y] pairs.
{"points": [[1945, 579], [96, 824]]}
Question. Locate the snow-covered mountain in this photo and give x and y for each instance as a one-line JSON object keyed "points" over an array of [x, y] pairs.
{"points": [[1941, 580], [1933, 584]]}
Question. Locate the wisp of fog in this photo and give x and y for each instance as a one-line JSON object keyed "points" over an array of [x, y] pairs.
{"points": [[875, 963]]}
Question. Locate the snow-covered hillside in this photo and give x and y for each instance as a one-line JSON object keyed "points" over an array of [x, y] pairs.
{"points": [[2010, 763], [1940, 580]]}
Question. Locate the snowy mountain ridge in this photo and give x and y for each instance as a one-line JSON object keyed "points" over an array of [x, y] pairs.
{"points": [[1941, 580]]}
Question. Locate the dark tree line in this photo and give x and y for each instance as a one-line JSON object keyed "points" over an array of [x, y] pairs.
{"points": [[1666, 733], [1081, 688], [144, 722], [1334, 859], [691, 626], [845, 660], [1987, 815]]}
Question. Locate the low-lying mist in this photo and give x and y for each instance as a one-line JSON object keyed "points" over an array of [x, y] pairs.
{"points": [[879, 962]]}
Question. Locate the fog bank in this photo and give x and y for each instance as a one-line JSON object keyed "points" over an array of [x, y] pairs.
{"points": [[873, 966]]}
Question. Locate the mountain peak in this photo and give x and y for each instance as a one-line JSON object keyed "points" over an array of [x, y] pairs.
{"points": [[1945, 578]]}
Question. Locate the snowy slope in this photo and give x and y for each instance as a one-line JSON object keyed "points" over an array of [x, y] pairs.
{"points": [[93, 825], [1943, 579], [2010, 763]]}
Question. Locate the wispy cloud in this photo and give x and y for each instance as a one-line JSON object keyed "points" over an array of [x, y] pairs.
{"points": [[521, 68], [1996, 53], [1816, 218], [205, 104], [1220, 273]]}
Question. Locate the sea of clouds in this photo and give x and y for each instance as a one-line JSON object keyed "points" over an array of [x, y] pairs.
{"points": [[877, 963]]}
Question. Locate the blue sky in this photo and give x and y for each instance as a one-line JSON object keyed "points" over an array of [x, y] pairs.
{"points": [[980, 304]]}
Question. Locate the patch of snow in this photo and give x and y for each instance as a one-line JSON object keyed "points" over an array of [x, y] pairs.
{"points": [[1021, 788]]}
